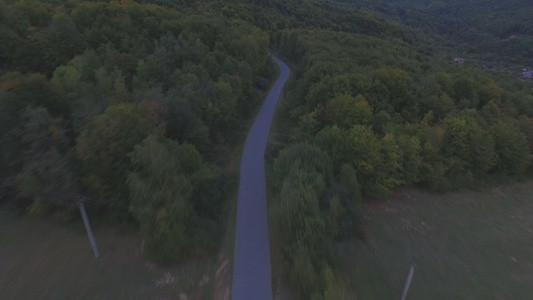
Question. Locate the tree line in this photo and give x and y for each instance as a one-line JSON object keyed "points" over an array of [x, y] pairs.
{"points": [[366, 115]]}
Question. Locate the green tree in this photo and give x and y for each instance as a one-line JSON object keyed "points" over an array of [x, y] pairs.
{"points": [[467, 146], [59, 42], [489, 91], [440, 105], [299, 214], [445, 83], [511, 148], [305, 277], [103, 149], [491, 112], [365, 155], [167, 242], [464, 93], [348, 178], [45, 168], [10, 110], [346, 111], [410, 158], [303, 157], [308, 127], [526, 126], [35, 89], [482, 150], [221, 112], [381, 121], [390, 173], [393, 91], [335, 141], [165, 177]]}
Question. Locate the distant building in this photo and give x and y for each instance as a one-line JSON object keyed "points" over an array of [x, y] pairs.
{"points": [[527, 74], [459, 60]]}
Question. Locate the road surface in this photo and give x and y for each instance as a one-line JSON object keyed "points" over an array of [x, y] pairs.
{"points": [[251, 262]]}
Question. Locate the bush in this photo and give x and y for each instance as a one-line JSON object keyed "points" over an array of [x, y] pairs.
{"points": [[168, 243]]}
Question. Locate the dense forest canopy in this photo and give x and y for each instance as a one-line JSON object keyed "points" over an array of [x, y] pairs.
{"points": [[87, 88], [368, 113], [494, 32], [134, 104]]}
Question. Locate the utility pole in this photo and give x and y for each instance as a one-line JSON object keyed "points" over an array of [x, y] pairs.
{"points": [[88, 227], [408, 282]]}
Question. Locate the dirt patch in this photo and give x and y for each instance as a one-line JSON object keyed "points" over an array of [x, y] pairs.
{"points": [[222, 279]]}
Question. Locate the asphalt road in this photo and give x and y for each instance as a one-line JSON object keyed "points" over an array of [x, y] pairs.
{"points": [[251, 262]]}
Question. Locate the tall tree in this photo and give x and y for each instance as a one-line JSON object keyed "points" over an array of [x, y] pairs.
{"points": [[45, 167], [347, 111], [512, 149], [161, 186], [60, 42], [35, 89], [10, 110], [103, 149]]}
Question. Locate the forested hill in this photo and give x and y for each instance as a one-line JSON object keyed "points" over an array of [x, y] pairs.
{"points": [[90, 90], [500, 18], [496, 32], [368, 113], [134, 104]]}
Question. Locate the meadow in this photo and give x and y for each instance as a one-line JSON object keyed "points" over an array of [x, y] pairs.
{"points": [[43, 259], [465, 245]]}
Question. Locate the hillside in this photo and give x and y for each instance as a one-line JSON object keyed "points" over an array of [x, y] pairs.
{"points": [[369, 113], [491, 32]]}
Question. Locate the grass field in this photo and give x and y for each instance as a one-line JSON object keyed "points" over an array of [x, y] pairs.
{"points": [[465, 245], [43, 259]]}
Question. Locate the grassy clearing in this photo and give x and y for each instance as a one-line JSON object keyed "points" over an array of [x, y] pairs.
{"points": [[41, 259], [465, 245]]}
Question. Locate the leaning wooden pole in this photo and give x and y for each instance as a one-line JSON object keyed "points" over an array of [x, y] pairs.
{"points": [[408, 282], [88, 228]]}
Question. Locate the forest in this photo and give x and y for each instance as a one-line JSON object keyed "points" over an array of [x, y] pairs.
{"points": [[373, 115], [368, 113], [130, 105], [134, 105], [491, 32]]}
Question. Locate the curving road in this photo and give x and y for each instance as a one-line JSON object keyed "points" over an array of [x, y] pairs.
{"points": [[251, 262]]}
